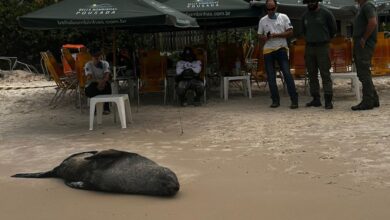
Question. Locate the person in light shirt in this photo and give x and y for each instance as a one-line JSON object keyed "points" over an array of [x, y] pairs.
{"points": [[273, 30], [187, 77], [98, 73]]}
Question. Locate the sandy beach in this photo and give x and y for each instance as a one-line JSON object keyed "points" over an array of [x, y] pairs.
{"points": [[235, 159]]}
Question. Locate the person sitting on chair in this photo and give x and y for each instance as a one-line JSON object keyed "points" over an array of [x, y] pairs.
{"points": [[187, 77], [98, 73]]}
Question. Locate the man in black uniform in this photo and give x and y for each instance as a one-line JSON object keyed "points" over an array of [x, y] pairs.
{"points": [[319, 26], [364, 38]]}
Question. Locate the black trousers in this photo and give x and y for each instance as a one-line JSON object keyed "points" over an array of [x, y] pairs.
{"points": [[92, 90], [192, 84], [362, 57]]}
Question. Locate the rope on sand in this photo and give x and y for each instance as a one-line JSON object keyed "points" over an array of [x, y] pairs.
{"points": [[23, 87]]}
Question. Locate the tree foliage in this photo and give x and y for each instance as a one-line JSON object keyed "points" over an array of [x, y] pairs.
{"points": [[22, 43], [18, 42], [27, 44]]}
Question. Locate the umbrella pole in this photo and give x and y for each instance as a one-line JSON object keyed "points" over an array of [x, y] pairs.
{"points": [[114, 89], [155, 40], [205, 43], [114, 53], [103, 40]]}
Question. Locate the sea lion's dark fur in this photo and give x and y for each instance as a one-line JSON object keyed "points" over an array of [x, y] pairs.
{"points": [[113, 171]]}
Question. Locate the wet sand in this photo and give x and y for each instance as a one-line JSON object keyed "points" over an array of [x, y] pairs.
{"points": [[238, 159]]}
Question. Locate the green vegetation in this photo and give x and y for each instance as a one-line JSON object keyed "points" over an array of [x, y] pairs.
{"points": [[15, 41], [26, 44]]}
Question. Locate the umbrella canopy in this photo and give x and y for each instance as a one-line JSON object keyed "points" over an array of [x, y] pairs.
{"points": [[341, 9], [218, 13], [133, 14]]}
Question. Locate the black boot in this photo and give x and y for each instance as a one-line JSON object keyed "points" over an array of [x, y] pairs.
{"points": [[294, 103], [376, 100], [183, 101], [106, 108], [376, 103], [316, 102], [328, 101], [197, 101], [275, 104], [364, 105]]}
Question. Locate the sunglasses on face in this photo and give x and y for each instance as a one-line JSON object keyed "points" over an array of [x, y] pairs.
{"points": [[271, 9]]}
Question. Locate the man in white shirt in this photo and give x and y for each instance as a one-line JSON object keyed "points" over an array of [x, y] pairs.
{"points": [[273, 30], [98, 73], [187, 77]]}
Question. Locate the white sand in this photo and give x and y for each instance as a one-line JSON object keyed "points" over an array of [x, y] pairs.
{"points": [[238, 159]]}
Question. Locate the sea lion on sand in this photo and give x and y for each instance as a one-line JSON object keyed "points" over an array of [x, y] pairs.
{"points": [[113, 171]]}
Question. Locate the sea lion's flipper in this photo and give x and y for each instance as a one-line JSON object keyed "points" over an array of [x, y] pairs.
{"points": [[107, 154], [47, 174], [85, 152], [79, 185]]}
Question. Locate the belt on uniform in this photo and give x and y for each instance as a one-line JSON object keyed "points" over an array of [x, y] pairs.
{"points": [[317, 44]]}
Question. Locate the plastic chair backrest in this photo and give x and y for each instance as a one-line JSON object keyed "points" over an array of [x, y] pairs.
{"points": [[349, 51], [82, 58], [153, 69], [228, 55], [297, 58], [257, 52], [339, 55], [260, 74], [247, 49], [201, 55], [53, 68], [68, 61], [381, 57], [300, 41], [74, 46]]}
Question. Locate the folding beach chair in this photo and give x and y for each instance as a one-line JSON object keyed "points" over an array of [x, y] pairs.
{"points": [[152, 76], [64, 82]]}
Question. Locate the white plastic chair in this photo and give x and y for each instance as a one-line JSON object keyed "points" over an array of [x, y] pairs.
{"points": [[122, 104]]}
